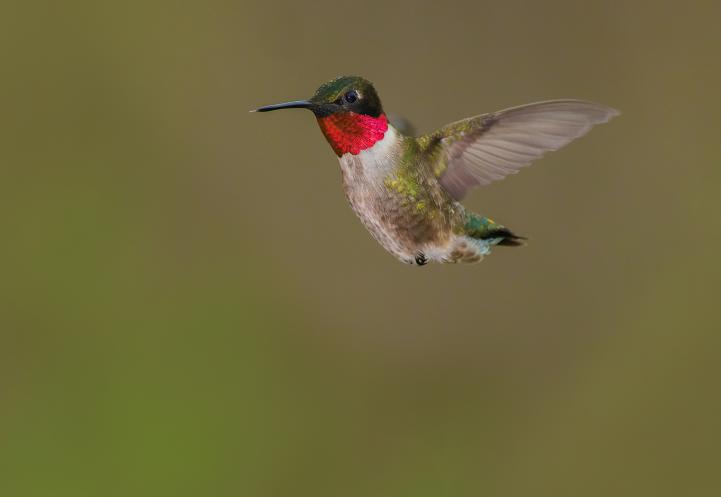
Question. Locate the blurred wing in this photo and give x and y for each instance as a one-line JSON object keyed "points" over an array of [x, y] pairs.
{"points": [[402, 124], [486, 148]]}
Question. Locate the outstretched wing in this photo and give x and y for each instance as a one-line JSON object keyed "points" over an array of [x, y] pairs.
{"points": [[486, 148]]}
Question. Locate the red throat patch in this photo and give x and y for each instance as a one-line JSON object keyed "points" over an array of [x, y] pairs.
{"points": [[350, 132]]}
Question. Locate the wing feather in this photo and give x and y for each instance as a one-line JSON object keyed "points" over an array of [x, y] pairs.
{"points": [[486, 148]]}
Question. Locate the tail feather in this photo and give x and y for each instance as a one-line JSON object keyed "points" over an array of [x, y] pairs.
{"points": [[508, 237], [483, 228]]}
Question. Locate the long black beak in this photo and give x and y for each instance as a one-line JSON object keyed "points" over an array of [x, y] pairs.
{"points": [[296, 104]]}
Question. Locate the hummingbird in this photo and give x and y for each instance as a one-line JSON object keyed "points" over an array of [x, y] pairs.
{"points": [[406, 190]]}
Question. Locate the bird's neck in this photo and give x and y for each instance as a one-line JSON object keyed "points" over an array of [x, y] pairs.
{"points": [[371, 167], [348, 132]]}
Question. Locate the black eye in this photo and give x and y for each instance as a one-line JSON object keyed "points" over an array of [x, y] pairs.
{"points": [[351, 96]]}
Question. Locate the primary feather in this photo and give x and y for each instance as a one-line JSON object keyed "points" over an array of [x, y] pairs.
{"points": [[486, 148]]}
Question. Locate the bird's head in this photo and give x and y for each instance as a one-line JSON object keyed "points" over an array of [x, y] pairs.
{"points": [[348, 111]]}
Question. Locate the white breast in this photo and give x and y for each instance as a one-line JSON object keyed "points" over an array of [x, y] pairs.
{"points": [[376, 162], [363, 182]]}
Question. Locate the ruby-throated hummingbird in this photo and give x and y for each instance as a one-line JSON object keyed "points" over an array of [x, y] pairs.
{"points": [[406, 189]]}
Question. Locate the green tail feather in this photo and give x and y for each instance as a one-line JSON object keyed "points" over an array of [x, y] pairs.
{"points": [[483, 228]]}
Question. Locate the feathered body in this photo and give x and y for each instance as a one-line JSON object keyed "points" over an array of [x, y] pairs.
{"points": [[393, 190], [406, 190]]}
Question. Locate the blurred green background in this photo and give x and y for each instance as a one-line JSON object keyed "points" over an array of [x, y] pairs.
{"points": [[190, 308]]}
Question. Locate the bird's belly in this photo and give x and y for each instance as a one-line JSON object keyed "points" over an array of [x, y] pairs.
{"points": [[382, 223], [401, 228]]}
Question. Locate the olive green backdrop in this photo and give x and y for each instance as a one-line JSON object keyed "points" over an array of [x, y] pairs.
{"points": [[189, 307]]}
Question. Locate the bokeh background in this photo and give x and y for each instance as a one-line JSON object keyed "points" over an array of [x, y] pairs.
{"points": [[190, 308]]}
